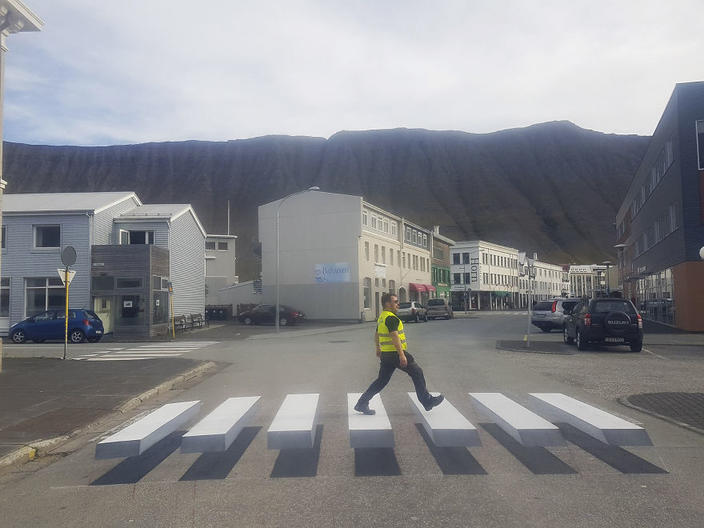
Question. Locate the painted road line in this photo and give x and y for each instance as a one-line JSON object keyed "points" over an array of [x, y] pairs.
{"points": [[523, 425], [599, 424], [136, 438], [295, 423], [369, 430], [445, 425], [218, 430]]}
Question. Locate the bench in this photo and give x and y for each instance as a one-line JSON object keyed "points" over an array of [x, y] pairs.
{"points": [[369, 430], [445, 425], [196, 320], [524, 426], [295, 423], [596, 423], [136, 438], [218, 430]]}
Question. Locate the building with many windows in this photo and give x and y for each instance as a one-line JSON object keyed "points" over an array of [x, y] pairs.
{"points": [[660, 224], [338, 254], [440, 264]]}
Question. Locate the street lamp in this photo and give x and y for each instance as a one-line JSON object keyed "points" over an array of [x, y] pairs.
{"points": [[607, 263], [278, 210]]}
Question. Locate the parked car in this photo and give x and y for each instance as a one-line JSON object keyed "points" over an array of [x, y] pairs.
{"points": [[550, 314], [606, 321], [439, 308], [82, 325], [266, 313], [412, 311]]}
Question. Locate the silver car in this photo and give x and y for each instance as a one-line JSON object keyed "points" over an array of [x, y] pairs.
{"points": [[550, 314], [412, 311], [439, 308]]}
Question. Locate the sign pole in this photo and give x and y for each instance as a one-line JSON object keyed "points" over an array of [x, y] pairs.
{"points": [[66, 313]]}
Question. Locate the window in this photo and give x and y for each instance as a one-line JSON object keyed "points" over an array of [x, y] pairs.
{"points": [[5, 297], [398, 256], [383, 254], [466, 278], [208, 245], [455, 258], [404, 260], [3, 236], [674, 220], [373, 222], [392, 286], [456, 278], [422, 264], [366, 251], [364, 218], [425, 240], [47, 236], [129, 283], [376, 253], [394, 229], [465, 258], [222, 246], [386, 226], [44, 294], [102, 283]]}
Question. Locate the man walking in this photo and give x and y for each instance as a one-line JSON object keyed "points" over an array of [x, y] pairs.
{"points": [[391, 348]]}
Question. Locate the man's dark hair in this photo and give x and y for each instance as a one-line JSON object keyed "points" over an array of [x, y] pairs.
{"points": [[386, 298]]}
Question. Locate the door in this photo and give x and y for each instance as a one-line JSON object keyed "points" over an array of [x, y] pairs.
{"points": [[102, 306]]}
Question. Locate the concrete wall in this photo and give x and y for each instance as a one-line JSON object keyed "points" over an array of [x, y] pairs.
{"points": [[315, 228]]}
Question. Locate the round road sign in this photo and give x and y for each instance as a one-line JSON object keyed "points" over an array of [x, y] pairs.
{"points": [[68, 256]]}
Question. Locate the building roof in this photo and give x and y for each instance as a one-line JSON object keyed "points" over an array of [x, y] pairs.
{"points": [[22, 14], [164, 212], [210, 235], [54, 203]]}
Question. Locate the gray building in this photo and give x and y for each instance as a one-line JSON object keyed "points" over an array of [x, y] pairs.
{"points": [[36, 227], [220, 267]]}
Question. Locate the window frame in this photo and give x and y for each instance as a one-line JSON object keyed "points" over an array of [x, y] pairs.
{"points": [[35, 228]]}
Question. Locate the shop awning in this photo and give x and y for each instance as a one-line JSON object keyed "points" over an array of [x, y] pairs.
{"points": [[414, 286], [430, 287]]}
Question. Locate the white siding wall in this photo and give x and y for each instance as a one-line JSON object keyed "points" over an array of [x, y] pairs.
{"points": [[20, 260], [103, 222], [187, 265]]}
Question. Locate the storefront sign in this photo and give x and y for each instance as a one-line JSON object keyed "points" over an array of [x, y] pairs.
{"points": [[337, 272], [474, 269]]}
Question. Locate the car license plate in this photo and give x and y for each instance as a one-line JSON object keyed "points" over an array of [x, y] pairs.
{"points": [[613, 339]]}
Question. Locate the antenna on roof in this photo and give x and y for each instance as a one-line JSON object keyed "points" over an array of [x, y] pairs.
{"points": [[228, 217]]}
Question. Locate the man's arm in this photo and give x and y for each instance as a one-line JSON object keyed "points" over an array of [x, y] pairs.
{"points": [[396, 340]]}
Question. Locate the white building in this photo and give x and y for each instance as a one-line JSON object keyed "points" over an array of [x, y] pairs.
{"points": [[220, 266], [550, 281], [592, 279], [338, 254]]}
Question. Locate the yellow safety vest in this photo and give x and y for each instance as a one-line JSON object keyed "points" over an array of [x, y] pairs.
{"points": [[385, 342]]}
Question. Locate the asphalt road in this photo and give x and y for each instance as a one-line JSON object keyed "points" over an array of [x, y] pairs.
{"points": [[498, 484]]}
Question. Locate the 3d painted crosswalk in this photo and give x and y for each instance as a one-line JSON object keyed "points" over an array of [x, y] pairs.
{"points": [[295, 423], [146, 351]]}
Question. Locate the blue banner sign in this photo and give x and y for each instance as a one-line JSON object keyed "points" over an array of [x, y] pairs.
{"points": [[337, 272]]}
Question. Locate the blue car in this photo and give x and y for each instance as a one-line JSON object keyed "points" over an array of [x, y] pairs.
{"points": [[82, 325]]}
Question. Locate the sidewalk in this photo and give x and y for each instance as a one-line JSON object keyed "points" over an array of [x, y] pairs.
{"points": [[45, 401]]}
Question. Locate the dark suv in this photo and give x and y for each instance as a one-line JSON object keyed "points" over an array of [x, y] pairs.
{"points": [[604, 321]]}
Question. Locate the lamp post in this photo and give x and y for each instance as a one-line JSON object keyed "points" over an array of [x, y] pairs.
{"points": [[607, 263], [278, 210]]}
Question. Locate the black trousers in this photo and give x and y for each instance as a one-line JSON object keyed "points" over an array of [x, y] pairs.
{"points": [[389, 363]]}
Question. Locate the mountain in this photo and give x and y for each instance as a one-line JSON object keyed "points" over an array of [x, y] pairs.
{"points": [[553, 188]]}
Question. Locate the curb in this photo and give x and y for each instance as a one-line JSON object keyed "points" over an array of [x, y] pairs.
{"points": [[30, 452], [303, 333], [624, 401]]}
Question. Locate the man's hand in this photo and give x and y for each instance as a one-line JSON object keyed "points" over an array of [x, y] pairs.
{"points": [[378, 352], [402, 360]]}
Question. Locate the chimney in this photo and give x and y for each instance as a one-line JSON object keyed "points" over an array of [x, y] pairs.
{"points": [[436, 230]]}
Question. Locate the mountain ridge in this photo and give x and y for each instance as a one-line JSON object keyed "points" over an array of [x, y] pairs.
{"points": [[551, 187]]}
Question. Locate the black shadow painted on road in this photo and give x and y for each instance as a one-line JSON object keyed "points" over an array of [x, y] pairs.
{"points": [[615, 456], [538, 460], [452, 460], [302, 462], [133, 469], [217, 466], [375, 462]]}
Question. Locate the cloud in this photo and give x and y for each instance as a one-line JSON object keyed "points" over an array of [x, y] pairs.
{"points": [[154, 70]]}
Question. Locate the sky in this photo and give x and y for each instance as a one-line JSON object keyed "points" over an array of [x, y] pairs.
{"points": [[132, 71]]}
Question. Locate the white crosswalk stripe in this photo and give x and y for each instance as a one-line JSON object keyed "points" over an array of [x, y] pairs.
{"points": [[148, 351]]}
